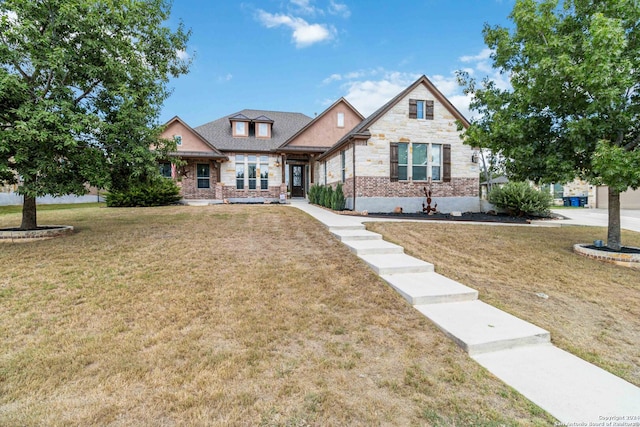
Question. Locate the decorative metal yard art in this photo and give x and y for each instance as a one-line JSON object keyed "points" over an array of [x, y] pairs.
{"points": [[427, 208]]}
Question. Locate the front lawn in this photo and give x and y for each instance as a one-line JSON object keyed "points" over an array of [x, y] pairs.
{"points": [[222, 315], [592, 309]]}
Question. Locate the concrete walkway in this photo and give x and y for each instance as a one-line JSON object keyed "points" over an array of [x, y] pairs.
{"points": [[517, 352], [629, 219]]}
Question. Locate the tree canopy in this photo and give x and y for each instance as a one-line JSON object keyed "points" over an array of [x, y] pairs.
{"points": [[81, 87], [573, 109]]}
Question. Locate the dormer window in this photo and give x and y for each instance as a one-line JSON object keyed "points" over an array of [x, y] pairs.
{"points": [[240, 129], [263, 130], [240, 125], [263, 126]]}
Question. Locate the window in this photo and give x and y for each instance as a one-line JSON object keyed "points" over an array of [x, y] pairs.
{"points": [[325, 173], [420, 109], [403, 161], [252, 172], [426, 160], [240, 129], [436, 161], [165, 169], [203, 175], [343, 165], [264, 172], [340, 120], [178, 139], [239, 172], [263, 130], [419, 162]]}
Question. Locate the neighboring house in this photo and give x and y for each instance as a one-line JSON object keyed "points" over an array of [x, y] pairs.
{"points": [[384, 161], [498, 182], [629, 199]]}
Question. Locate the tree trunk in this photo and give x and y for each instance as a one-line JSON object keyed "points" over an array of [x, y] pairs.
{"points": [[29, 220], [614, 240]]}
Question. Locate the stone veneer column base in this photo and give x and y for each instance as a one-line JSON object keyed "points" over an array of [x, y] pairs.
{"points": [[618, 258]]}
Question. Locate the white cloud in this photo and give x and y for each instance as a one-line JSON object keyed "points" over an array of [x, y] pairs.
{"points": [[225, 78], [304, 7], [370, 94], [304, 33], [339, 9], [332, 78], [482, 56], [182, 55]]}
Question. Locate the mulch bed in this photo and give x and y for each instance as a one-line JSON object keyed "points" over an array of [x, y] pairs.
{"points": [[466, 216], [623, 250]]}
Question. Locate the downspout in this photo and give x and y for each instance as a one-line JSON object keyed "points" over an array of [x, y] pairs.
{"points": [[354, 175]]}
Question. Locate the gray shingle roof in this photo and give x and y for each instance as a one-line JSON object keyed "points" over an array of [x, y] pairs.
{"points": [[218, 132]]}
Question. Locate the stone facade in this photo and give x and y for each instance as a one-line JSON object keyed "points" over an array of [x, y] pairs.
{"points": [[374, 187]]}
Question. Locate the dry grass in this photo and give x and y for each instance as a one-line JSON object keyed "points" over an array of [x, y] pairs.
{"points": [[593, 309], [225, 315]]}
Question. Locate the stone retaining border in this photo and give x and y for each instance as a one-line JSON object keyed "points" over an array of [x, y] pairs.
{"points": [[618, 258], [49, 232]]}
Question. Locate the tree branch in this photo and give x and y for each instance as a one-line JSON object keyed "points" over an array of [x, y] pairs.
{"points": [[87, 92], [48, 86], [633, 144]]}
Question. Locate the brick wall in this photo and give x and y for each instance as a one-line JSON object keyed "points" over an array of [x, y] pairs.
{"points": [[371, 186], [188, 182], [230, 192]]}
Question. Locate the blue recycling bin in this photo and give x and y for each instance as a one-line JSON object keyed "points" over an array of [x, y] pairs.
{"points": [[575, 201]]}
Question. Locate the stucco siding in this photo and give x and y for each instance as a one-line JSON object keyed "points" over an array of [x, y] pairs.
{"points": [[325, 131], [190, 142]]}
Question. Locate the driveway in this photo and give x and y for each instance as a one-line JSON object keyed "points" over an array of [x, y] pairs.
{"points": [[629, 219]]}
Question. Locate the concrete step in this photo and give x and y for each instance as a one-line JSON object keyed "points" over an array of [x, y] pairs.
{"points": [[373, 247], [396, 264], [480, 328], [429, 288], [338, 227], [569, 388], [349, 235]]}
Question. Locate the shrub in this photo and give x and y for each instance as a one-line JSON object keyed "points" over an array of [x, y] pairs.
{"points": [[157, 192], [314, 193], [519, 199], [328, 196], [338, 201]]}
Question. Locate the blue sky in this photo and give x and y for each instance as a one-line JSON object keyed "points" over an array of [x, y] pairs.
{"points": [[302, 55]]}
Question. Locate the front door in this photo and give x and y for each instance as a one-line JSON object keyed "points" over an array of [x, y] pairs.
{"points": [[297, 181]]}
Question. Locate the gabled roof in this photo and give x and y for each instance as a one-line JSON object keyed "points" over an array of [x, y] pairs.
{"points": [[262, 119], [215, 153], [361, 131], [239, 117], [294, 136], [219, 133]]}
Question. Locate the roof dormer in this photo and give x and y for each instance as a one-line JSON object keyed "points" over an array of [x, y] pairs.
{"points": [[240, 125], [263, 126]]}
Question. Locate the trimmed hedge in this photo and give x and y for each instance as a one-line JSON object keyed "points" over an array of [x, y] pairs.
{"points": [[158, 192], [518, 198], [325, 195]]}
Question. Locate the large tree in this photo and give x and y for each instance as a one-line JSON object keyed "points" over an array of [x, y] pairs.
{"points": [[573, 108], [81, 87]]}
